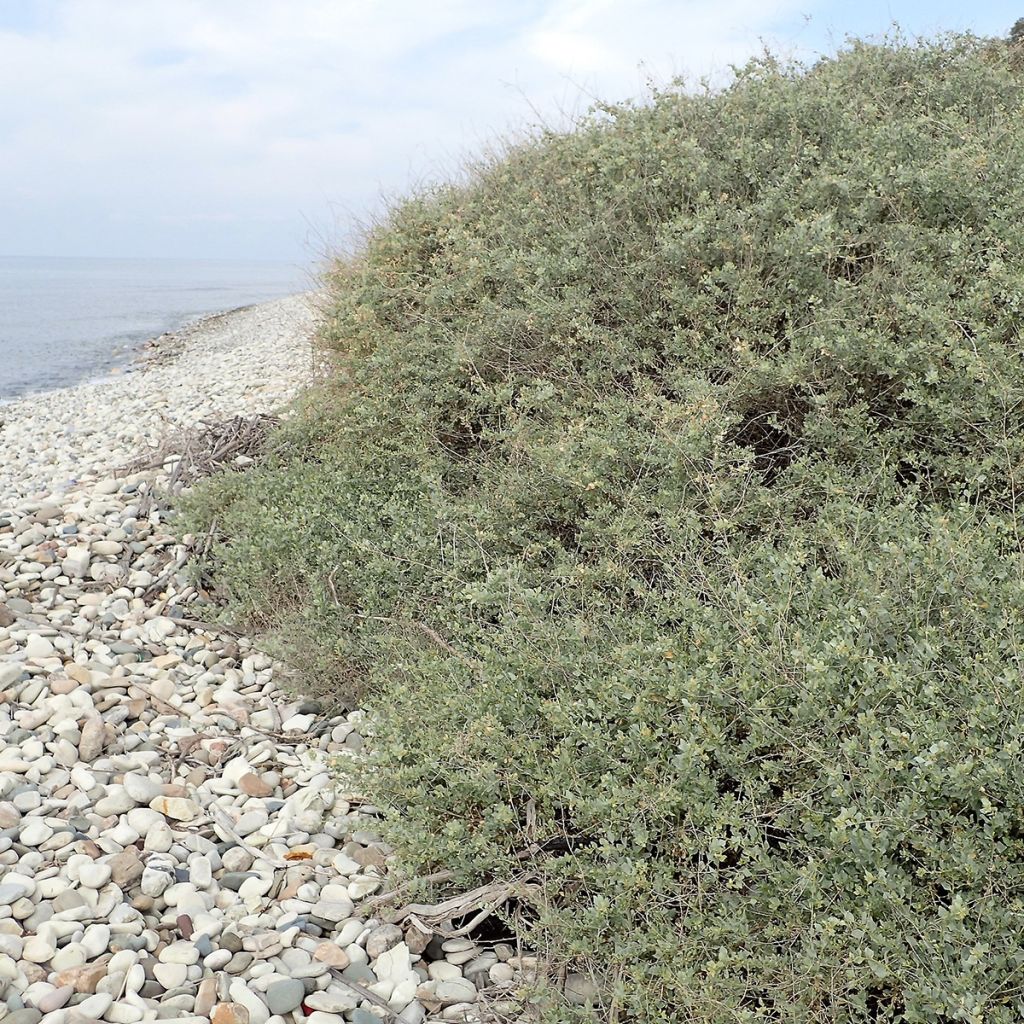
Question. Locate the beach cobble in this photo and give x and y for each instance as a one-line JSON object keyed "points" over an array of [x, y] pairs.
{"points": [[176, 842]]}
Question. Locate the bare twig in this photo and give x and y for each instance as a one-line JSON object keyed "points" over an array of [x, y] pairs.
{"points": [[365, 993], [206, 449], [437, 876], [211, 627], [431, 634], [483, 900], [275, 714], [221, 819], [166, 576]]}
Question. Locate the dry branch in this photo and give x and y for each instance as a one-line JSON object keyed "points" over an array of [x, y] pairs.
{"points": [[480, 902], [207, 448]]}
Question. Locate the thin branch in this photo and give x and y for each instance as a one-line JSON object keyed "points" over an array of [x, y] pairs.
{"points": [[431, 634]]}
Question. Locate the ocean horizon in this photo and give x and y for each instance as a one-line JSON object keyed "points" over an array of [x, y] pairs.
{"points": [[64, 320]]}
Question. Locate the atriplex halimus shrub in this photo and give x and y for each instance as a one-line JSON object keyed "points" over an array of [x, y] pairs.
{"points": [[695, 434]]}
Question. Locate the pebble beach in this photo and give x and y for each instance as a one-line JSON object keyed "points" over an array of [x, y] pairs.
{"points": [[177, 841]]}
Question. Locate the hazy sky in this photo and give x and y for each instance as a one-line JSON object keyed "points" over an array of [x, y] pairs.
{"points": [[258, 128]]}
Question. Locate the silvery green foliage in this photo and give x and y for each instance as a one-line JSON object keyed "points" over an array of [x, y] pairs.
{"points": [[694, 435]]}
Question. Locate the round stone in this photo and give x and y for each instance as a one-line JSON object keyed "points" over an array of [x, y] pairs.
{"points": [[35, 832], [170, 975], [180, 953], [117, 800], [38, 950], [441, 970], [55, 999], [141, 788], [39, 647], [14, 887], [26, 1015], [284, 996], [95, 1006], [68, 957], [381, 939], [94, 875], [175, 807], [96, 940]]}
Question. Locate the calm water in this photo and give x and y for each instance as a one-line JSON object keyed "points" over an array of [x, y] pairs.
{"points": [[67, 320]]}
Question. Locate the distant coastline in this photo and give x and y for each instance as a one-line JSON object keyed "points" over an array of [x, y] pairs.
{"points": [[254, 357], [137, 357], [65, 321]]}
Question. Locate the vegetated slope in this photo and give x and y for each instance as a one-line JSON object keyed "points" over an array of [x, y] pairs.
{"points": [[664, 509]]}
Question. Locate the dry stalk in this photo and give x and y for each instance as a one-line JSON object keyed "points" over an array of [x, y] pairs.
{"points": [[203, 450]]}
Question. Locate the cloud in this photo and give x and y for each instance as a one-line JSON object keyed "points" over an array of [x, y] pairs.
{"points": [[160, 127]]}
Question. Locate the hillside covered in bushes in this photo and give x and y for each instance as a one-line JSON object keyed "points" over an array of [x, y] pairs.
{"points": [[662, 504]]}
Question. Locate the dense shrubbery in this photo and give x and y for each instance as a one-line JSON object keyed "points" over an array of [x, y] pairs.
{"points": [[695, 433]]}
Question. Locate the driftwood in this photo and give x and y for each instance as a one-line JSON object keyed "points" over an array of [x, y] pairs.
{"points": [[438, 876], [476, 904], [204, 450], [440, 917]]}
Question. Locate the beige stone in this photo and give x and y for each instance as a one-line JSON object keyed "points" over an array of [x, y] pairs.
{"points": [[175, 807], [332, 955], [83, 979], [230, 1013], [252, 785]]}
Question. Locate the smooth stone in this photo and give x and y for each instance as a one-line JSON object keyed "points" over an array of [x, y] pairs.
{"points": [[27, 1015], [55, 999], [175, 807], [180, 953], [206, 997], [95, 940], [441, 970], [241, 993], [155, 881], [239, 962], [394, 965], [117, 800], [126, 868], [170, 975], [361, 1016], [38, 950], [35, 832], [332, 954], [95, 1007], [39, 647], [69, 957], [229, 1013], [141, 788], [333, 1002], [333, 910], [284, 996], [381, 939], [455, 991], [15, 887], [94, 875], [501, 974]]}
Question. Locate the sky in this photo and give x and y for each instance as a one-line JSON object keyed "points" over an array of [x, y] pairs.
{"points": [[267, 129]]}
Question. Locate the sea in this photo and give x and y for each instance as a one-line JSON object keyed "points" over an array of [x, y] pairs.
{"points": [[66, 320]]}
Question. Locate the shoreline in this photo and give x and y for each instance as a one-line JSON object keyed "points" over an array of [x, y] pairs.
{"points": [[138, 355], [169, 344], [175, 842], [251, 359]]}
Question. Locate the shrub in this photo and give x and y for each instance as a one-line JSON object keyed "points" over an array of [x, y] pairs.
{"points": [[663, 508]]}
